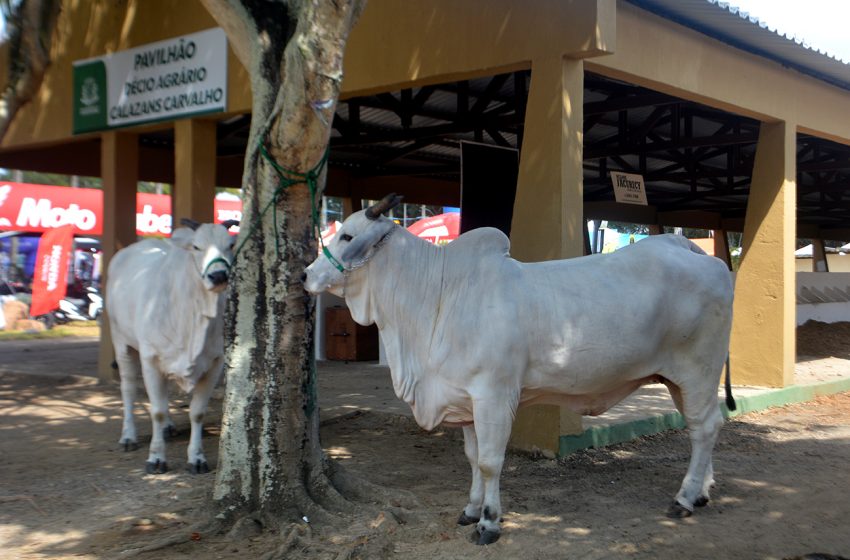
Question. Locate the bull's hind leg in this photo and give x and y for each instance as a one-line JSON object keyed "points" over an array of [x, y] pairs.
{"points": [[197, 461], [128, 370], [472, 512], [157, 389], [493, 421], [701, 410]]}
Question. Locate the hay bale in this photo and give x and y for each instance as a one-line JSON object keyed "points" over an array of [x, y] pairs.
{"points": [[29, 325], [15, 311]]}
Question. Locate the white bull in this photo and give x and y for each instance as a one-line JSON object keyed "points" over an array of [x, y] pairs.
{"points": [[471, 335], [165, 301]]}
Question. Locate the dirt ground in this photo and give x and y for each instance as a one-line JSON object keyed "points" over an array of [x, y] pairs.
{"points": [[783, 487]]}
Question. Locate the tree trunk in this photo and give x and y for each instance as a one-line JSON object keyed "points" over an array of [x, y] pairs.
{"points": [[271, 465], [31, 24]]}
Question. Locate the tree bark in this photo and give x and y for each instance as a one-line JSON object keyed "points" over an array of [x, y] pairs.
{"points": [[271, 465], [31, 25]]}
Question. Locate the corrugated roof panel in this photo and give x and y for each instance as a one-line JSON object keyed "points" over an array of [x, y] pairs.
{"points": [[729, 24]]}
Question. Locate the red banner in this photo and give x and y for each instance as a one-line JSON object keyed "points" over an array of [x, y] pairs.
{"points": [[37, 208], [49, 283], [25, 207]]}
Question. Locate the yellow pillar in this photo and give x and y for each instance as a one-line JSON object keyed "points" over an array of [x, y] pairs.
{"points": [[119, 163], [194, 170], [548, 216], [763, 344]]}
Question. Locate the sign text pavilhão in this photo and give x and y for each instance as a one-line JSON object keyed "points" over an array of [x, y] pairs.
{"points": [[164, 80]]}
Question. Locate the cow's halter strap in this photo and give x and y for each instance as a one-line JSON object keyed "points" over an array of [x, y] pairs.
{"points": [[216, 260]]}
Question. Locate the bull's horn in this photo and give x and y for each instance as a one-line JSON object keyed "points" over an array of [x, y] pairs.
{"points": [[229, 223], [387, 203], [188, 222]]}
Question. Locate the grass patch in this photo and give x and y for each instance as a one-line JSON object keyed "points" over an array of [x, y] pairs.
{"points": [[76, 329]]}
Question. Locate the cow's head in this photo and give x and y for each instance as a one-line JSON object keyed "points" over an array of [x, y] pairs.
{"points": [[211, 249], [352, 246]]}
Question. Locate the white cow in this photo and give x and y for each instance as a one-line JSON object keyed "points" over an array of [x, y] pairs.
{"points": [[471, 335], [165, 301]]}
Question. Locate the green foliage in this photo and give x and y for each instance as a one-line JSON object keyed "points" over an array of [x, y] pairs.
{"points": [[626, 227], [58, 179]]}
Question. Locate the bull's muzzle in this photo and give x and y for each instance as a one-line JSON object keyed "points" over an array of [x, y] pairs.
{"points": [[217, 278]]}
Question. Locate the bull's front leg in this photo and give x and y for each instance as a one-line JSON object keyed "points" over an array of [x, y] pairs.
{"points": [[157, 389], [197, 461], [472, 512], [493, 421]]}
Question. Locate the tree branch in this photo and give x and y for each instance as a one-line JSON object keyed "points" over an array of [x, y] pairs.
{"points": [[238, 25], [32, 24]]}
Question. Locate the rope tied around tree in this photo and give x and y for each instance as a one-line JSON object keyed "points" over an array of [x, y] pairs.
{"points": [[288, 178]]}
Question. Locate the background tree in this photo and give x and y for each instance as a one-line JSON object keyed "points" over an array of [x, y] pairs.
{"points": [[272, 469], [30, 25]]}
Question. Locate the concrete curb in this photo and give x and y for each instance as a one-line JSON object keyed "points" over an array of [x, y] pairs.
{"points": [[601, 436]]}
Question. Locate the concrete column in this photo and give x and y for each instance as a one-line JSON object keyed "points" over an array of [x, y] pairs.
{"points": [[194, 170], [819, 261], [763, 344], [548, 219], [119, 164]]}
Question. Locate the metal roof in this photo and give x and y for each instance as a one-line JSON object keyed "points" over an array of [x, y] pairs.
{"points": [[729, 24]]}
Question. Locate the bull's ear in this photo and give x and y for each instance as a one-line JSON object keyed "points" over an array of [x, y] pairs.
{"points": [[190, 223], [359, 248], [183, 238]]}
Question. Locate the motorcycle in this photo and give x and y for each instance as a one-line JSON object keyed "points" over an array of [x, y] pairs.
{"points": [[78, 309]]}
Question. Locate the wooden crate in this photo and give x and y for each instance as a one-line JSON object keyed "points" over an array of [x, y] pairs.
{"points": [[346, 340]]}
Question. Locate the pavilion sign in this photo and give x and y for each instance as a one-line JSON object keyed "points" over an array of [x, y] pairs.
{"points": [[628, 188], [159, 81]]}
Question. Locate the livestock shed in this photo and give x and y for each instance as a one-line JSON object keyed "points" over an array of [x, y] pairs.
{"points": [[732, 127]]}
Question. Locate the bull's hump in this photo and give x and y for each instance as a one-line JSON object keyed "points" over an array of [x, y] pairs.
{"points": [[480, 241]]}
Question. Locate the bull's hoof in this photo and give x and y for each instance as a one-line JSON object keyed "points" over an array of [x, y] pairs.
{"points": [[678, 511], [465, 520], [156, 467], [169, 432], [128, 444], [482, 536], [198, 467], [702, 501]]}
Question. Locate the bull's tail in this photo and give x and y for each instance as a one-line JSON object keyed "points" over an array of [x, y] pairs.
{"points": [[730, 401]]}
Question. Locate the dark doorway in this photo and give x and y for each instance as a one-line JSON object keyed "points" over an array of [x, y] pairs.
{"points": [[488, 177]]}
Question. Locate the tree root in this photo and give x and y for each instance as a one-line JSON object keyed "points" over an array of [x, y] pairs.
{"points": [[185, 534]]}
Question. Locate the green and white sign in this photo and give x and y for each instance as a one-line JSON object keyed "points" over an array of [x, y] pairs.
{"points": [[163, 80]]}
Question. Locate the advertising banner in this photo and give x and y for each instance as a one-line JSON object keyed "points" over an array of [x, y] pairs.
{"points": [[37, 208], [159, 81], [49, 283], [26, 207]]}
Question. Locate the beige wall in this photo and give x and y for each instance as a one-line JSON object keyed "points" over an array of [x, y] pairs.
{"points": [[429, 41], [416, 41], [836, 262], [434, 41], [655, 53], [88, 28]]}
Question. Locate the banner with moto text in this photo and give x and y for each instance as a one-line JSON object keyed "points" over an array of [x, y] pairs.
{"points": [[36, 208], [49, 283]]}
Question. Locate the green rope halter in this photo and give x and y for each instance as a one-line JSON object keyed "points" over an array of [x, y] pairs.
{"points": [[214, 261], [286, 179]]}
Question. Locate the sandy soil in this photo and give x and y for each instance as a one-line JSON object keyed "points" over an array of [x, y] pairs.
{"points": [[66, 491]]}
